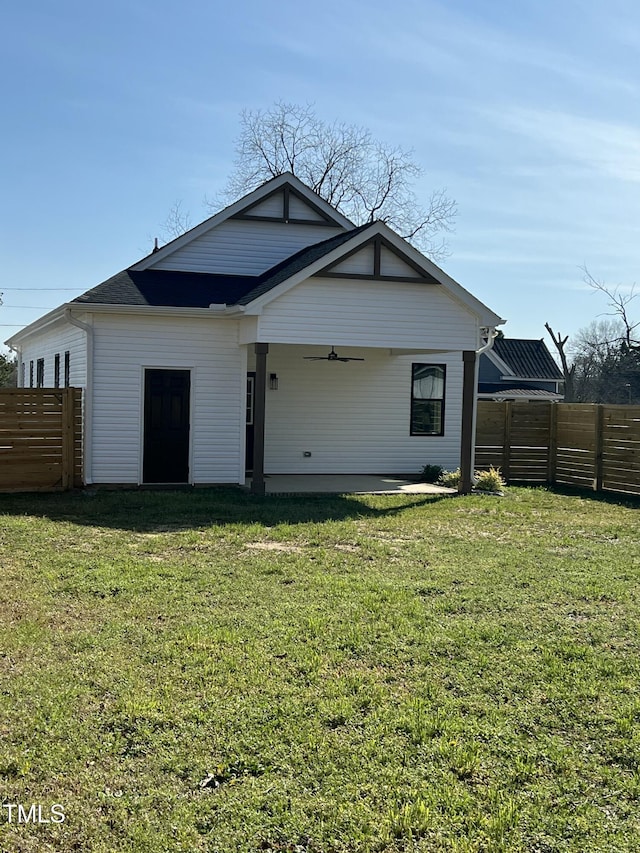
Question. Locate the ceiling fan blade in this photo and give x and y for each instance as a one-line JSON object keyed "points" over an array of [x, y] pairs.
{"points": [[333, 356]]}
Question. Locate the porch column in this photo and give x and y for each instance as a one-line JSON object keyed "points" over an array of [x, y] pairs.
{"points": [[257, 480], [468, 421]]}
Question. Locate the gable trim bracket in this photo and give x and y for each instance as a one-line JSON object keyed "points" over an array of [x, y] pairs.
{"points": [[287, 191], [378, 241]]}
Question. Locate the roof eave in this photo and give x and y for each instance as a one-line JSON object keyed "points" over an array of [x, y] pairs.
{"points": [[58, 314], [486, 317], [46, 320]]}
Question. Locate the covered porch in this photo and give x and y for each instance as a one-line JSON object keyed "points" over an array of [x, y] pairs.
{"points": [[321, 426]]}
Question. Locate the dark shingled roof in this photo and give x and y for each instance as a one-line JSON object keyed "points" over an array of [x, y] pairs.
{"points": [[199, 290], [527, 359], [168, 288]]}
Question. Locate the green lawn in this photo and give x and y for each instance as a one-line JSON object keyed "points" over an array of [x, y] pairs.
{"points": [[349, 674]]}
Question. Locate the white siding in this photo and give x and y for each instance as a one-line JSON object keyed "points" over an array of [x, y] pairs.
{"points": [[360, 263], [368, 313], [272, 206], [60, 338], [239, 247], [391, 264], [299, 210], [354, 417], [124, 346]]}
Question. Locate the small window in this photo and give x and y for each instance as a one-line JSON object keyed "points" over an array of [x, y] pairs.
{"points": [[31, 374], [427, 399], [23, 374], [67, 369], [251, 380], [56, 370], [40, 373]]}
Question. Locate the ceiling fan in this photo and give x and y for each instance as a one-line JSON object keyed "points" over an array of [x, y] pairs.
{"points": [[333, 356]]}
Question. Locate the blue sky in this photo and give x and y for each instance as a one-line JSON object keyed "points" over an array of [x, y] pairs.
{"points": [[528, 113]]}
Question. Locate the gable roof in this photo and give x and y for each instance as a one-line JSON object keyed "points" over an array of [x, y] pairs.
{"points": [[343, 255], [152, 287], [199, 290], [287, 183], [307, 265], [526, 359]]}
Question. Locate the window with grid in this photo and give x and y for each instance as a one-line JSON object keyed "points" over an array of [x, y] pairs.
{"points": [[427, 399]]}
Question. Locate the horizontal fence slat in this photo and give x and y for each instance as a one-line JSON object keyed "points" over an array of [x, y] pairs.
{"points": [[583, 456], [37, 452]]}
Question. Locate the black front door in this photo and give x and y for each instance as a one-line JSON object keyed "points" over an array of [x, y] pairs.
{"points": [[166, 426]]}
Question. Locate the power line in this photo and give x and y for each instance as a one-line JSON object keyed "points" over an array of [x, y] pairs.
{"points": [[50, 289]]}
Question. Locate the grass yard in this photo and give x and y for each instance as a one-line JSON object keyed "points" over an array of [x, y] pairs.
{"points": [[208, 671]]}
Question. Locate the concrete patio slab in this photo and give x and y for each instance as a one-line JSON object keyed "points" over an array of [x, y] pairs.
{"points": [[348, 484]]}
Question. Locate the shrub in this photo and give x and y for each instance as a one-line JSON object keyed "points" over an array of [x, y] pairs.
{"points": [[489, 481], [450, 479], [431, 473]]}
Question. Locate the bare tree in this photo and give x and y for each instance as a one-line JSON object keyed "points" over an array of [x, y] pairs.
{"points": [[568, 371], [365, 179], [619, 300], [178, 221]]}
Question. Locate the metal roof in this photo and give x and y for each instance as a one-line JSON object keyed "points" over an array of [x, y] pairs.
{"points": [[527, 359]]}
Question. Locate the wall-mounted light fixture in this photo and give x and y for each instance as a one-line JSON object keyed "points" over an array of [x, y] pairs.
{"points": [[273, 381]]}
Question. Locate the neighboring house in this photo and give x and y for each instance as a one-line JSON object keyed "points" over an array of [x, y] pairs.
{"points": [[196, 360], [517, 369]]}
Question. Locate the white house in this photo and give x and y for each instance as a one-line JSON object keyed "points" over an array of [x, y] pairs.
{"points": [[274, 337]]}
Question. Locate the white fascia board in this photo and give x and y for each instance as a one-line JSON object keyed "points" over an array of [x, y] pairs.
{"points": [[502, 366], [485, 316], [58, 314], [158, 310], [246, 201], [46, 320]]}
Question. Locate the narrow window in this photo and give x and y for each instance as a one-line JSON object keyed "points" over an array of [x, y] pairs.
{"points": [[31, 374], [67, 369], [40, 373], [427, 399], [250, 392], [56, 370], [23, 374]]}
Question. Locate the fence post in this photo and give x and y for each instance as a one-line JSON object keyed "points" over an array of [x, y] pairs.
{"points": [[506, 444], [67, 437], [553, 442], [599, 432]]}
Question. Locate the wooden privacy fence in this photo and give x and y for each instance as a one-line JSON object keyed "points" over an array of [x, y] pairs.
{"points": [[575, 444], [40, 439]]}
